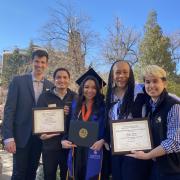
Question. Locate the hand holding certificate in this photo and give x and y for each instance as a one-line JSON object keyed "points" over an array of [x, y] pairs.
{"points": [[129, 135], [48, 120]]}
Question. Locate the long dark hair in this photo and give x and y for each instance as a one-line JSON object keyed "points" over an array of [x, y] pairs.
{"points": [[98, 99], [128, 99]]}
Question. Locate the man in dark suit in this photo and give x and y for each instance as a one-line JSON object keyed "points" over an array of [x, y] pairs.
{"points": [[22, 96]]}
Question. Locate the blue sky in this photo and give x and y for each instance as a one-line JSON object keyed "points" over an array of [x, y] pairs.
{"points": [[22, 20]]}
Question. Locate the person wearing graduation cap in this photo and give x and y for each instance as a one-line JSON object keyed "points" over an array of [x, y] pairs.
{"points": [[89, 106]]}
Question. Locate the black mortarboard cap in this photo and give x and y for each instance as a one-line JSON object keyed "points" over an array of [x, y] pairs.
{"points": [[91, 72]]}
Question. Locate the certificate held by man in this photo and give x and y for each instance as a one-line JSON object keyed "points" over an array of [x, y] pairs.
{"points": [[131, 134], [48, 120]]}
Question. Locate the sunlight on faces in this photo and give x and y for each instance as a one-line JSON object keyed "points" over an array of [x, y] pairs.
{"points": [[89, 90], [62, 80], [154, 80], [121, 73], [40, 65]]}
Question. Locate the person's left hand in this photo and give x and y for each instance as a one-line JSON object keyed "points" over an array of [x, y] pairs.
{"points": [[66, 110], [139, 155], [97, 145]]}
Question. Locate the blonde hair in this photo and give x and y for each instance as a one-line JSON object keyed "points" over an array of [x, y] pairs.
{"points": [[154, 70]]}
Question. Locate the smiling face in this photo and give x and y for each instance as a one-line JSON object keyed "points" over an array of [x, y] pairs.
{"points": [[121, 73], [154, 80], [61, 80], [154, 86], [39, 65], [89, 90]]}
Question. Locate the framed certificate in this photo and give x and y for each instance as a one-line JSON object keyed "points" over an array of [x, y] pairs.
{"points": [[82, 133], [130, 134], [48, 120]]}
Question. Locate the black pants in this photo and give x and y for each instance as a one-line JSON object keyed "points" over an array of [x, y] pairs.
{"points": [[26, 160], [156, 174], [106, 165], [127, 168], [51, 160]]}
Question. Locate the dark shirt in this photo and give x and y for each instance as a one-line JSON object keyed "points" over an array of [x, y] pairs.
{"points": [[48, 99]]}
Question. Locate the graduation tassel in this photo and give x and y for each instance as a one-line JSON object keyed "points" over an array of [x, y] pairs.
{"points": [[70, 172], [99, 177]]}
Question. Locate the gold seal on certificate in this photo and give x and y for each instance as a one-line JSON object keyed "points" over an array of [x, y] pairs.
{"points": [[48, 120], [130, 134], [83, 133]]}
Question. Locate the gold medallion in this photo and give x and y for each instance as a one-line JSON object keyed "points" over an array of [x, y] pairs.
{"points": [[83, 133]]}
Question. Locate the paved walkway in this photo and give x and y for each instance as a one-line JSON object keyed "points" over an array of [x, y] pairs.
{"points": [[7, 165]]}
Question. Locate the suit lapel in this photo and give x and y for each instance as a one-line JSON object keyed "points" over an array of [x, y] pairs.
{"points": [[46, 85], [30, 84]]}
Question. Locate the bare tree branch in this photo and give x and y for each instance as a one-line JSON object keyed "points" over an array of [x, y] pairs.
{"points": [[175, 46], [121, 43], [65, 20]]}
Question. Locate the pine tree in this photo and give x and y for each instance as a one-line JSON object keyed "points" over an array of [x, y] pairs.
{"points": [[154, 48], [10, 66], [13, 64]]}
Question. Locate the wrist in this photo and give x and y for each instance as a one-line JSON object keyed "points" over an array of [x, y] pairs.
{"points": [[102, 140], [6, 141], [150, 155]]}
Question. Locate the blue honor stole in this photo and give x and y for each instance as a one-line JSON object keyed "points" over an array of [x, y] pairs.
{"points": [[94, 164], [70, 164]]}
